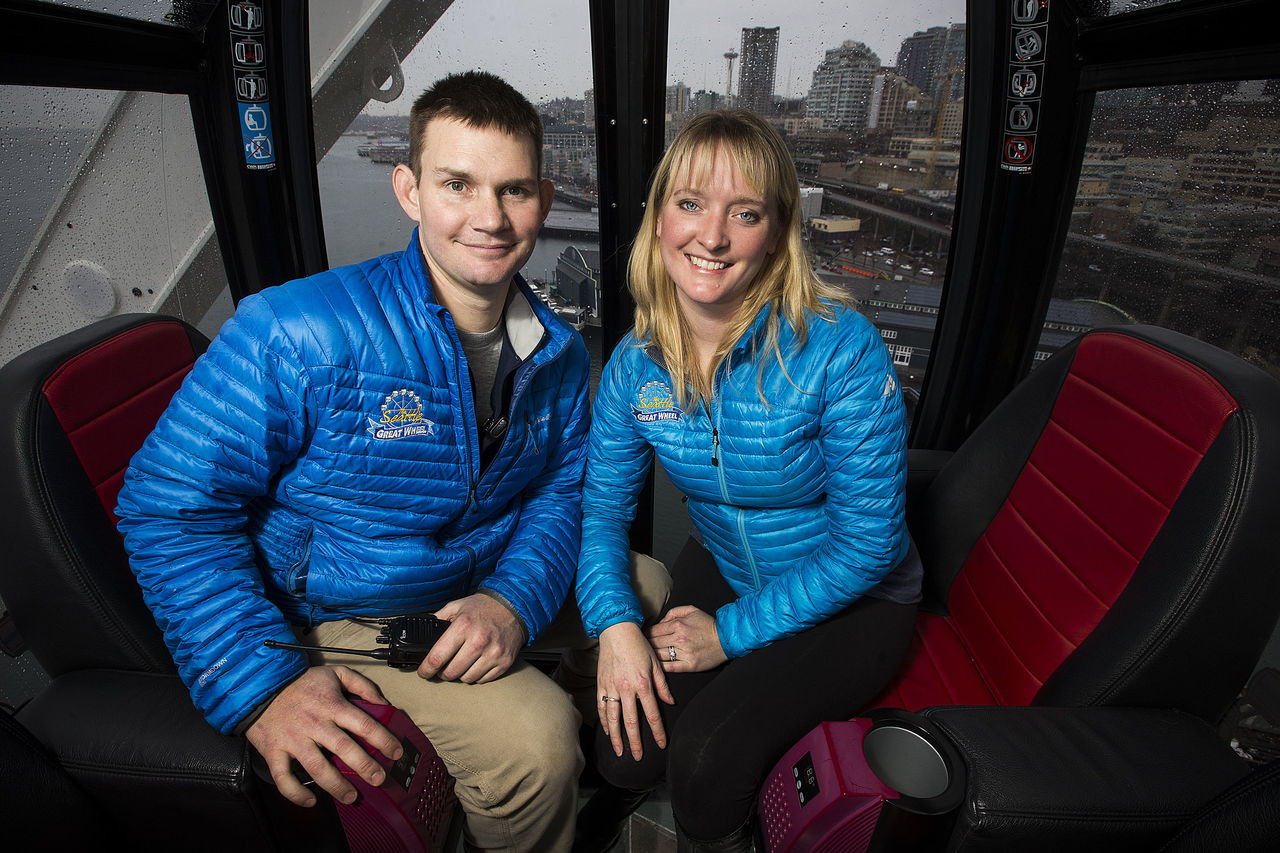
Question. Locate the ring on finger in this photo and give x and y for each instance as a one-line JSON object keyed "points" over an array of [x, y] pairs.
{"points": [[610, 699], [671, 652]]}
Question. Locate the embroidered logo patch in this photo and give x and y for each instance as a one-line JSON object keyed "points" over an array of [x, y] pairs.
{"points": [[890, 385], [655, 403], [401, 417]]}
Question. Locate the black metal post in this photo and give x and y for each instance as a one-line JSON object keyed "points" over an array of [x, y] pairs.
{"points": [[629, 56]]}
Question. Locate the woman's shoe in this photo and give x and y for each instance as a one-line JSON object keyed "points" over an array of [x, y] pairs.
{"points": [[601, 820]]}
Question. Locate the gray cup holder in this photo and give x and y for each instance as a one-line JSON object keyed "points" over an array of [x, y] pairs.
{"points": [[907, 762], [912, 757]]}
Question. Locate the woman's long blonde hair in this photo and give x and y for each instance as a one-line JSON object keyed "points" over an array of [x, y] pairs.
{"points": [[785, 283]]}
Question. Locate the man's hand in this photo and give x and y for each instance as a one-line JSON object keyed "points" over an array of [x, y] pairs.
{"points": [[312, 714], [480, 644]]}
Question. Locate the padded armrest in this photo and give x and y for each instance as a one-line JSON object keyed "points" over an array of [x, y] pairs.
{"points": [[1049, 779], [137, 745], [44, 809], [104, 720]]}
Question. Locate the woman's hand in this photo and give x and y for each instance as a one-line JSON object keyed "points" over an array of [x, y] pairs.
{"points": [[686, 640], [629, 675]]}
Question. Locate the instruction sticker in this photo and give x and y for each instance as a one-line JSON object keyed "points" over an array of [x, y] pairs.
{"points": [[247, 22], [255, 129], [1028, 40]]}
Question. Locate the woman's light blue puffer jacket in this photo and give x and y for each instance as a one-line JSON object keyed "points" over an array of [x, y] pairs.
{"points": [[321, 461], [799, 495]]}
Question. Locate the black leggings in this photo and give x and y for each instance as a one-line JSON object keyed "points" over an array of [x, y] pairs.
{"points": [[730, 725]]}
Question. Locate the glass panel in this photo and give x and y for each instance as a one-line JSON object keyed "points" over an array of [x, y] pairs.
{"points": [[186, 14], [1175, 219], [1118, 7], [869, 98], [104, 215]]}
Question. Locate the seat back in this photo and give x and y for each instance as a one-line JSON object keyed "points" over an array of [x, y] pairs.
{"points": [[1103, 538], [74, 411]]}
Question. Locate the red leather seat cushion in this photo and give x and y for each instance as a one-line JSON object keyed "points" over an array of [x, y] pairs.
{"points": [[1129, 426]]}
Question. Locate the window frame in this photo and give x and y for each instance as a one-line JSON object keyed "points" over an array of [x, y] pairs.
{"points": [[267, 223]]}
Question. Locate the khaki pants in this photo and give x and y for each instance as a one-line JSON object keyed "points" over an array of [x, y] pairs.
{"points": [[511, 744]]}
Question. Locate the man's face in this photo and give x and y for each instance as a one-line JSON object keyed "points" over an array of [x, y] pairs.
{"points": [[479, 204]]}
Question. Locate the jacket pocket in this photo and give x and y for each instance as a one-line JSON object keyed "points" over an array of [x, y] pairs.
{"points": [[296, 574]]}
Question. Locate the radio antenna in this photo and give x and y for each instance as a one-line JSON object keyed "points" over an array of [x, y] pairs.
{"points": [[380, 654]]}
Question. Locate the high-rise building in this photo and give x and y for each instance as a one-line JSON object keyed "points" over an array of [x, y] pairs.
{"points": [[702, 100], [759, 65], [927, 55], [898, 106], [677, 99], [919, 55], [840, 94]]}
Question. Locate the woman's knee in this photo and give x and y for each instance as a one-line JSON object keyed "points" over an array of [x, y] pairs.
{"points": [[624, 771], [712, 786]]}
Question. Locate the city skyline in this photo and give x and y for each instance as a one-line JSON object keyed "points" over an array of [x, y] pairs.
{"points": [[546, 52]]}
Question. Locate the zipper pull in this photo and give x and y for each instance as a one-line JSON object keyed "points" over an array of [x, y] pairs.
{"points": [[471, 498], [715, 447]]}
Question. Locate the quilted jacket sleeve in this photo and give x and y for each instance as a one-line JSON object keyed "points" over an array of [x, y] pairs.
{"points": [[617, 464], [237, 418], [536, 570], [863, 442]]}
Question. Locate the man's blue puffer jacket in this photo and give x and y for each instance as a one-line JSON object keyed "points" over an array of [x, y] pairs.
{"points": [[799, 496], [322, 461]]}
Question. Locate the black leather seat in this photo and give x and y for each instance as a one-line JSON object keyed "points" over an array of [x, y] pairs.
{"points": [[121, 746], [1100, 582]]}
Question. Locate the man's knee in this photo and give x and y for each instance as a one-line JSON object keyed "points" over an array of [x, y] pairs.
{"points": [[652, 584], [543, 736]]}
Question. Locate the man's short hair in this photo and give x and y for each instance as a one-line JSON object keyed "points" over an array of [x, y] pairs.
{"points": [[478, 99]]}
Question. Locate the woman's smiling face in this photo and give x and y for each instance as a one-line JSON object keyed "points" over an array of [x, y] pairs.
{"points": [[714, 237]]}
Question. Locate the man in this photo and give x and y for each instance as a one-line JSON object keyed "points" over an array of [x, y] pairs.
{"points": [[402, 435]]}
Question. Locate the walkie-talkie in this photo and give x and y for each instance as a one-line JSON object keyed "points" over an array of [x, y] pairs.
{"points": [[408, 639]]}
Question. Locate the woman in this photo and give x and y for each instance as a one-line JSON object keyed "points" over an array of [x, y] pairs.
{"points": [[774, 406]]}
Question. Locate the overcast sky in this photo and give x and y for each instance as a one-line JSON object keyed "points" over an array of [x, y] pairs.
{"points": [[543, 46]]}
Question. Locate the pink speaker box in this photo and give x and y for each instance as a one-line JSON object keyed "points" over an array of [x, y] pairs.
{"points": [[412, 808], [828, 793], [822, 797]]}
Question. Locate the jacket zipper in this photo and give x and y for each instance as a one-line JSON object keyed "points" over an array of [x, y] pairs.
{"points": [[523, 378], [468, 413], [717, 410], [714, 417], [472, 564], [746, 549]]}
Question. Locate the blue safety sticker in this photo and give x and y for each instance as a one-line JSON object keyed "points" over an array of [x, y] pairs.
{"points": [[255, 129]]}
